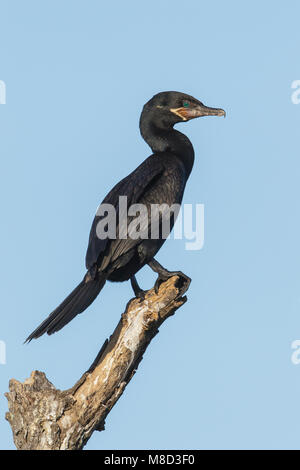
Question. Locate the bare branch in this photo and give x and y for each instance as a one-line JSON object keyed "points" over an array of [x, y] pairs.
{"points": [[43, 417]]}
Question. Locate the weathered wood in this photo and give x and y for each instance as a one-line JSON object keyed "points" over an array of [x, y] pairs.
{"points": [[43, 417]]}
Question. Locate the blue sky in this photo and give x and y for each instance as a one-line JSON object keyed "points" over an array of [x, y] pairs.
{"points": [[219, 375]]}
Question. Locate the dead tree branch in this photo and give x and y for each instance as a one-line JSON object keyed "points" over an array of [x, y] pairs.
{"points": [[45, 418]]}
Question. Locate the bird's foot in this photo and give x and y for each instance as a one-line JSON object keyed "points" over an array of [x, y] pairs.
{"points": [[138, 292], [183, 279], [141, 294]]}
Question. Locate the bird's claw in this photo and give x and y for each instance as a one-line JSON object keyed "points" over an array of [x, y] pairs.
{"points": [[141, 294], [158, 282], [185, 280]]}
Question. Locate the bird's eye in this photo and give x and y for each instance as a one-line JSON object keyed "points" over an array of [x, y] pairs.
{"points": [[186, 104]]}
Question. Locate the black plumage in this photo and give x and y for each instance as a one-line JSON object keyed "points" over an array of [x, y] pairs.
{"points": [[160, 179]]}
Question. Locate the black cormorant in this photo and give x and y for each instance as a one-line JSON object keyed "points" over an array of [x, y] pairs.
{"points": [[160, 179]]}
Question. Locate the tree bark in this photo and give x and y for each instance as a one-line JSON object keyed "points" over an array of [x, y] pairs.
{"points": [[45, 418]]}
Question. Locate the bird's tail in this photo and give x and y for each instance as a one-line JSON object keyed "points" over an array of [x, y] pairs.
{"points": [[76, 302]]}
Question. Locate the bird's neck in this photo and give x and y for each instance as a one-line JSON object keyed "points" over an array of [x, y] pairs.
{"points": [[166, 139]]}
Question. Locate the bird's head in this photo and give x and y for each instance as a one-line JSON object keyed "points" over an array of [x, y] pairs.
{"points": [[171, 107]]}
